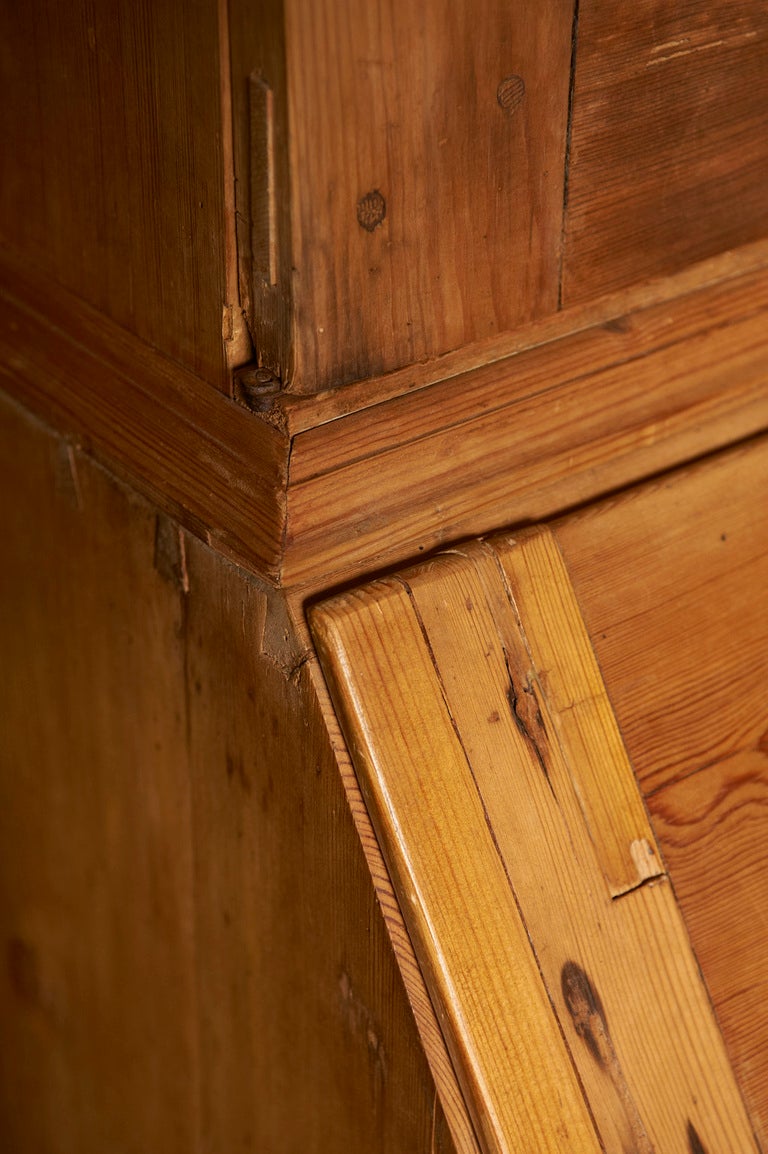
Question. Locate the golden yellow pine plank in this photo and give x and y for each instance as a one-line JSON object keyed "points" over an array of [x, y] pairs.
{"points": [[562, 661], [621, 972], [460, 756], [494, 1008]]}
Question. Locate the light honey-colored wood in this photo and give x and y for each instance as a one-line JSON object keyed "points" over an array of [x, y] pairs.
{"points": [[454, 1107], [563, 670], [435, 680], [496, 1016]]}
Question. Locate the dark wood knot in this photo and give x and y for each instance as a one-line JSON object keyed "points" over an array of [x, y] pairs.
{"points": [[510, 94]]}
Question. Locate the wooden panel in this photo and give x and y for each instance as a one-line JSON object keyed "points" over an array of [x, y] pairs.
{"points": [[505, 1041], [111, 115], [714, 829], [449, 712], [672, 583], [98, 992], [525, 437], [680, 567], [202, 457], [668, 162], [193, 954], [427, 147]]}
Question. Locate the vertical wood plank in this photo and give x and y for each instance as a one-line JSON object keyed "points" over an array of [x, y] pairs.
{"points": [[193, 955], [111, 115], [427, 147], [668, 163], [98, 993]]}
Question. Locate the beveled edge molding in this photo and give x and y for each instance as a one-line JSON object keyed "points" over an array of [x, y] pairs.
{"points": [[531, 436], [518, 439], [198, 455]]}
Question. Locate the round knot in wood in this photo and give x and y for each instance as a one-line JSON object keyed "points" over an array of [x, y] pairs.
{"points": [[510, 94], [371, 210]]}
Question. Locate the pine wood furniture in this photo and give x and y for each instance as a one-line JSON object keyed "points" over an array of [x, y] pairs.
{"points": [[443, 327]]}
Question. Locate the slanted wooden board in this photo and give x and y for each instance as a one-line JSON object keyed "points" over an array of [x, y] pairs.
{"points": [[510, 835]]}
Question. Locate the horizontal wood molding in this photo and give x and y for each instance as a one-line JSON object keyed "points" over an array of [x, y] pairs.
{"points": [[523, 437], [199, 455], [529, 436], [297, 414]]}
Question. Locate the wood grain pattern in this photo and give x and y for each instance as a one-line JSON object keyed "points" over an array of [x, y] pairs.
{"points": [[671, 581], [453, 1126], [667, 160], [113, 184], [524, 438], [516, 440], [203, 458], [680, 567], [713, 826], [297, 414], [460, 234], [429, 674], [193, 957], [506, 1045], [558, 650]]}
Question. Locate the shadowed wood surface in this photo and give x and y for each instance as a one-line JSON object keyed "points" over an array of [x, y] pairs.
{"points": [[203, 459], [193, 955], [514, 440], [461, 723], [668, 162], [113, 181], [672, 583]]}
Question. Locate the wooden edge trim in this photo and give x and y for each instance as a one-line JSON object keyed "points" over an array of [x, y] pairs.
{"points": [[511, 1060], [300, 413], [443, 1073], [199, 456], [538, 456]]}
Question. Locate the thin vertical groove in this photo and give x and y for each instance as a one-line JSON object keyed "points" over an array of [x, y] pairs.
{"points": [[567, 162]]}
